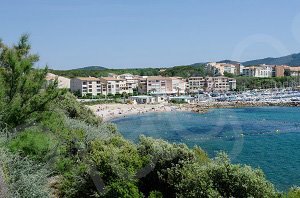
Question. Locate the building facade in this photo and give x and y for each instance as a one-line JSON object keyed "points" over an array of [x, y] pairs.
{"points": [[115, 86], [220, 83], [261, 71], [284, 70], [218, 69], [86, 85]]}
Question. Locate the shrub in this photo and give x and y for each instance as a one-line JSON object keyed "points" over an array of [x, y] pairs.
{"points": [[32, 143], [219, 178], [115, 159], [25, 178], [294, 192], [74, 109], [155, 194], [122, 189]]}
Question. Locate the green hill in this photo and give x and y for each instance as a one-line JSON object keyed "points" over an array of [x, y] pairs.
{"points": [[292, 60], [92, 68]]}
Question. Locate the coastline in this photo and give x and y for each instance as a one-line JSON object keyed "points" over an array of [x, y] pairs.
{"points": [[111, 111]]}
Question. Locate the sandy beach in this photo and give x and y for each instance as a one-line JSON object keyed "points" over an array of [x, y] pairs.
{"points": [[110, 111]]}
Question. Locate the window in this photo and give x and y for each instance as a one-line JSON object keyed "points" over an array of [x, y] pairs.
{"points": [[84, 83], [90, 86], [90, 83], [98, 90], [98, 82], [90, 90]]}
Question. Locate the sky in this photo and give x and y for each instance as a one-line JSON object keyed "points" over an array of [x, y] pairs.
{"points": [[151, 33]]}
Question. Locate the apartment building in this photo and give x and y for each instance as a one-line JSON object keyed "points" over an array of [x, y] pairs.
{"points": [[142, 84], [86, 85], [218, 69], [159, 85], [178, 85], [115, 85], [284, 70], [220, 83], [262, 71], [196, 84]]}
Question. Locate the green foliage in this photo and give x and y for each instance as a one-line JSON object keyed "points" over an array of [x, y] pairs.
{"points": [[32, 143], [178, 101], [293, 192], [25, 177], [155, 194], [182, 71], [21, 84], [115, 159], [164, 156], [73, 109], [244, 83], [220, 178], [122, 189], [105, 72], [185, 71]]}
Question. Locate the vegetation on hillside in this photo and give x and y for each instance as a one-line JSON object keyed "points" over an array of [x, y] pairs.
{"points": [[184, 71], [51, 145], [249, 83]]}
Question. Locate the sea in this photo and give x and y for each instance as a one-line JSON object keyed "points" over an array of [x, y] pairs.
{"points": [[262, 137]]}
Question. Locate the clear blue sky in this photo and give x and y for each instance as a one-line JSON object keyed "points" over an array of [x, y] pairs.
{"points": [[148, 33]]}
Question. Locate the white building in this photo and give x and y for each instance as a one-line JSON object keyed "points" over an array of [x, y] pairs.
{"points": [[218, 69], [86, 85], [115, 85], [159, 85], [262, 71]]}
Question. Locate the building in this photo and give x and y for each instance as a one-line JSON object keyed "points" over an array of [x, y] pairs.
{"points": [[196, 84], [185, 99], [159, 85], [115, 86], [145, 99], [63, 82], [87, 85], [284, 70], [142, 99], [178, 86], [218, 69], [262, 71], [219, 83]]}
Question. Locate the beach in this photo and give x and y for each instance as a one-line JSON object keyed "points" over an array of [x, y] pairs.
{"points": [[117, 110], [110, 111]]}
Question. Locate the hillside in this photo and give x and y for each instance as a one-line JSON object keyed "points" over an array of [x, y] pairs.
{"points": [[92, 68], [292, 60]]}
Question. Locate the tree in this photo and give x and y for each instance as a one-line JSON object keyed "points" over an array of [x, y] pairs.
{"points": [[22, 86]]}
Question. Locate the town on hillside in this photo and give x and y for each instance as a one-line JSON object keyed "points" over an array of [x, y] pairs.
{"points": [[154, 89]]}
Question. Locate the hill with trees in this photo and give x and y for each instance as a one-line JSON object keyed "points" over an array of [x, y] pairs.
{"points": [[92, 68], [291, 60]]}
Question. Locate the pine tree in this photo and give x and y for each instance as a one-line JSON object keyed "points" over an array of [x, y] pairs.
{"points": [[23, 90]]}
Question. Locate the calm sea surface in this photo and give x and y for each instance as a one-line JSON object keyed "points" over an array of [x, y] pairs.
{"points": [[265, 137]]}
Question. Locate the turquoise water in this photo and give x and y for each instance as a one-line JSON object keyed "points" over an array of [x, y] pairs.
{"points": [[265, 137]]}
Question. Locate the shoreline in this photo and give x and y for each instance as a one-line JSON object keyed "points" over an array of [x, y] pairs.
{"points": [[112, 111]]}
